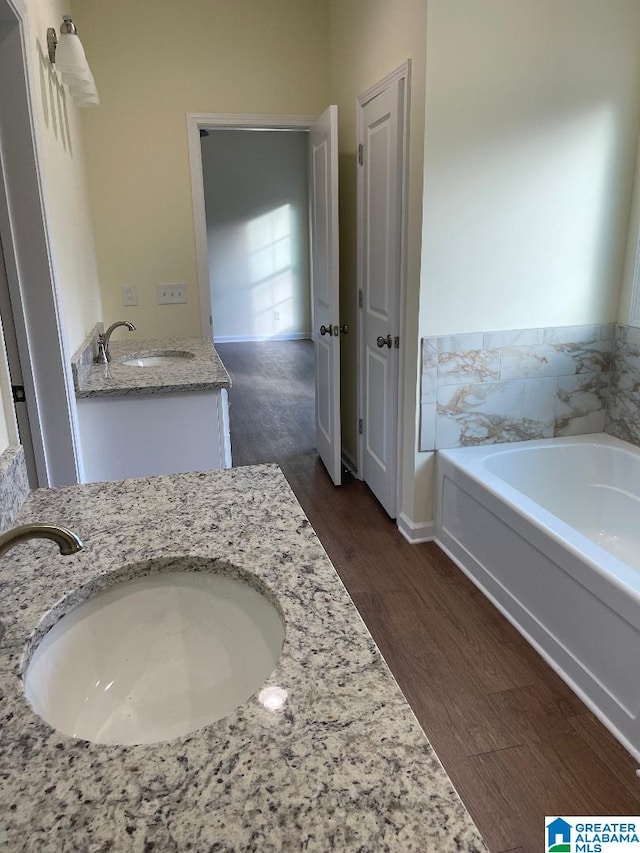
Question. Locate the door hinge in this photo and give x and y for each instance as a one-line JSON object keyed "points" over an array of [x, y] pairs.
{"points": [[361, 154], [396, 342], [360, 426], [18, 394], [360, 298]]}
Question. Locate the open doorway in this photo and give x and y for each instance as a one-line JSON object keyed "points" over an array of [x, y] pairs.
{"points": [[256, 207], [265, 209]]}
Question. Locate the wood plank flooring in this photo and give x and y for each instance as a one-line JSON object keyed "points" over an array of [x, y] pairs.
{"points": [[515, 741]]}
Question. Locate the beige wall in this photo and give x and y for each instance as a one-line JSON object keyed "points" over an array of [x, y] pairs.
{"points": [[532, 117], [532, 113], [64, 184], [153, 64], [632, 249], [369, 38]]}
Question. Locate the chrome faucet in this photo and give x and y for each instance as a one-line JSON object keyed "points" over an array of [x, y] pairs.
{"points": [[66, 540], [104, 356]]}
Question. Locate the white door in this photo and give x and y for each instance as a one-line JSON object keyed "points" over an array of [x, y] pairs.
{"points": [[381, 207], [323, 195]]}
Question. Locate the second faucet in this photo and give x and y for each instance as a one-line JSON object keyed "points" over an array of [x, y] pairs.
{"points": [[104, 356]]}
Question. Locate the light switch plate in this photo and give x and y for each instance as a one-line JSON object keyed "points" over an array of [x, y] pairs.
{"points": [[172, 294]]}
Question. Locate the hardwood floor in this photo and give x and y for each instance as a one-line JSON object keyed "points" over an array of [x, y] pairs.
{"points": [[515, 741]]}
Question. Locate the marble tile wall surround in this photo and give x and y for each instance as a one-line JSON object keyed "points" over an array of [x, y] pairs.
{"points": [[488, 387], [623, 413], [84, 356], [14, 485]]}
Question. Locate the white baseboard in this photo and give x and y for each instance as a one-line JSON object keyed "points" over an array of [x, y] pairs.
{"points": [[423, 531], [239, 339]]}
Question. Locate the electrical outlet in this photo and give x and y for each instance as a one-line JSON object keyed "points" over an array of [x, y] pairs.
{"points": [[276, 315], [129, 294], [172, 294]]}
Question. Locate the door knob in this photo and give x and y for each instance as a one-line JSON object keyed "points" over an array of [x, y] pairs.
{"points": [[384, 342], [326, 330], [344, 329]]}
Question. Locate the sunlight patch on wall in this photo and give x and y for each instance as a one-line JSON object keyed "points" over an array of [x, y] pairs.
{"points": [[271, 270]]}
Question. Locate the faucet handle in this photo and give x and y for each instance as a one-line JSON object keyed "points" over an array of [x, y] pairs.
{"points": [[101, 357]]}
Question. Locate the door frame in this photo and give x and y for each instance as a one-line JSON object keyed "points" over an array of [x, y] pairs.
{"points": [[17, 420], [30, 271], [7, 408], [221, 121], [400, 76]]}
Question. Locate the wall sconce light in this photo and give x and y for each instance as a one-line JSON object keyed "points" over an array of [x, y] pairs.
{"points": [[67, 54]]}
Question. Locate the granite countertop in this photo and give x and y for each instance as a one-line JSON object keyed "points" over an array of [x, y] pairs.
{"points": [[202, 371], [343, 765]]}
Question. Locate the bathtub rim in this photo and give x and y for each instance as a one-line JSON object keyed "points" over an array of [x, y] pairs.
{"points": [[606, 566]]}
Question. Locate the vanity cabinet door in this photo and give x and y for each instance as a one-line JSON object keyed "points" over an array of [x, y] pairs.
{"points": [[145, 435]]}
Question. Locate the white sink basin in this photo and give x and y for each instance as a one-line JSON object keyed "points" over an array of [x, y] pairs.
{"points": [[154, 658], [161, 359]]}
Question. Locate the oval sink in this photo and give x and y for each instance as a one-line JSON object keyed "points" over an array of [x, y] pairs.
{"points": [[161, 359], [154, 658]]}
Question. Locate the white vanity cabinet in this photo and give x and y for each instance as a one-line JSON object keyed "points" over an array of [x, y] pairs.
{"points": [[158, 407], [139, 436]]}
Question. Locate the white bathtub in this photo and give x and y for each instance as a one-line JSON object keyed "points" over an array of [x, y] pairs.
{"points": [[550, 531]]}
